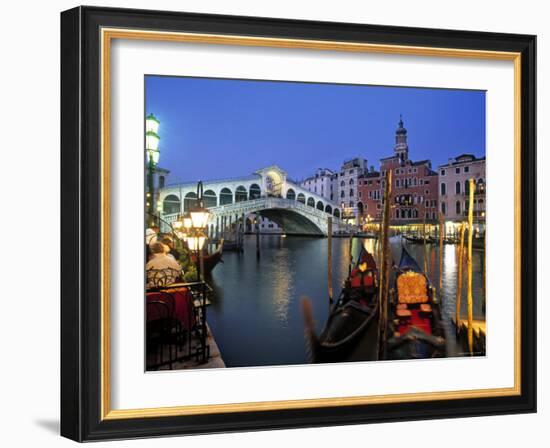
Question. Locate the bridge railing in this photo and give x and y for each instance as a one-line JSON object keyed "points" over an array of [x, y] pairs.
{"points": [[269, 202], [252, 206]]}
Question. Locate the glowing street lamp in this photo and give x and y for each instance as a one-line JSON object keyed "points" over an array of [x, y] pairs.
{"points": [[194, 224], [151, 124], [196, 242], [152, 140], [200, 215]]}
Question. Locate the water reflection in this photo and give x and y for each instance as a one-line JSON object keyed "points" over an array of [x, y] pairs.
{"points": [[255, 313]]}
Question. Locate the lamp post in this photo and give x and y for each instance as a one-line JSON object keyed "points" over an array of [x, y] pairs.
{"points": [[153, 154], [195, 223]]}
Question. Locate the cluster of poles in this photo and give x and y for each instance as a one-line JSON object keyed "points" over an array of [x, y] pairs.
{"points": [[385, 262]]}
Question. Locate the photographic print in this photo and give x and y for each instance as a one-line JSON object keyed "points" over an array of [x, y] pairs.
{"points": [[294, 223], [252, 201]]}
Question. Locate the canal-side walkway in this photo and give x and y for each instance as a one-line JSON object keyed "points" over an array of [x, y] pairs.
{"points": [[215, 361]]}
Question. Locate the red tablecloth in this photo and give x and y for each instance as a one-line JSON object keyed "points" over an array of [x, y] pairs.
{"points": [[180, 304]]}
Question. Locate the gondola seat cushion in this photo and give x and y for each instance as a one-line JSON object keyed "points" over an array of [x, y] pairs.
{"points": [[401, 306], [403, 313], [367, 277], [425, 308], [412, 287]]}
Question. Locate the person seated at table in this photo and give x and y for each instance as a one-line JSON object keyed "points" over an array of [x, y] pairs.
{"points": [[150, 238], [173, 252], [162, 269]]}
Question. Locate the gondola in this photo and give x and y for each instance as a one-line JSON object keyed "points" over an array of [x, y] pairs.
{"points": [[346, 331], [211, 260], [415, 326], [414, 239], [232, 246]]}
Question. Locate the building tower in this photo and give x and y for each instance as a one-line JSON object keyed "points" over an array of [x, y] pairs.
{"points": [[401, 147]]}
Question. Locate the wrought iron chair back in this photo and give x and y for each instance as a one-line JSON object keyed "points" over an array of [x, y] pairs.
{"points": [[157, 278]]}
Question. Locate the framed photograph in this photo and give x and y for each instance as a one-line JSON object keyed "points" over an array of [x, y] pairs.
{"points": [[274, 223]]}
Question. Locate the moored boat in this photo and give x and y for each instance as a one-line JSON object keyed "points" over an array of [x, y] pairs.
{"points": [[232, 246], [415, 327], [350, 317], [212, 259]]}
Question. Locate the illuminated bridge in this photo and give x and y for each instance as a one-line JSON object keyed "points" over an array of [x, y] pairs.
{"points": [[267, 192]]}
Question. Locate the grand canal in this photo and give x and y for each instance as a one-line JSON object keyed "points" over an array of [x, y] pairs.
{"points": [[256, 316]]}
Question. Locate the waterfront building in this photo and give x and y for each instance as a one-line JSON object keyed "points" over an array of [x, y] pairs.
{"points": [[347, 185], [322, 183], [454, 187], [340, 187], [414, 197], [255, 222]]}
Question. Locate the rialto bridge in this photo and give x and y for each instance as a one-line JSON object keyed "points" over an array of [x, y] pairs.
{"points": [[266, 192]]}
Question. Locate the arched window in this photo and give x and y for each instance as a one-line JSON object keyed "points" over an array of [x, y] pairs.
{"points": [[342, 184], [209, 199], [301, 198], [311, 202], [240, 194], [443, 189], [457, 207], [255, 191], [328, 209], [397, 213], [336, 213], [467, 187], [360, 209], [351, 182], [342, 194], [351, 192], [291, 194], [171, 204], [351, 203], [443, 208], [457, 187], [190, 201], [320, 206], [226, 196]]}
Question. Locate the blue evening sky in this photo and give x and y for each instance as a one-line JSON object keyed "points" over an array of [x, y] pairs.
{"points": [[215, 128]]}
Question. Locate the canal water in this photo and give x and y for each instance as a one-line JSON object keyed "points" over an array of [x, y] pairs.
{"points": [[256, 315]]}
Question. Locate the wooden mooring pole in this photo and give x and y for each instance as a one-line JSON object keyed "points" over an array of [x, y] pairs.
{"points": [[425, 246], [470, 278], [441, 236], [384, 271], [350, 248], [459, 276], [257, 236], [329, 256]]}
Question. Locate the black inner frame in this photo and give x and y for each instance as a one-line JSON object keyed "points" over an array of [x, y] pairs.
{"points": [[81, 224]]}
